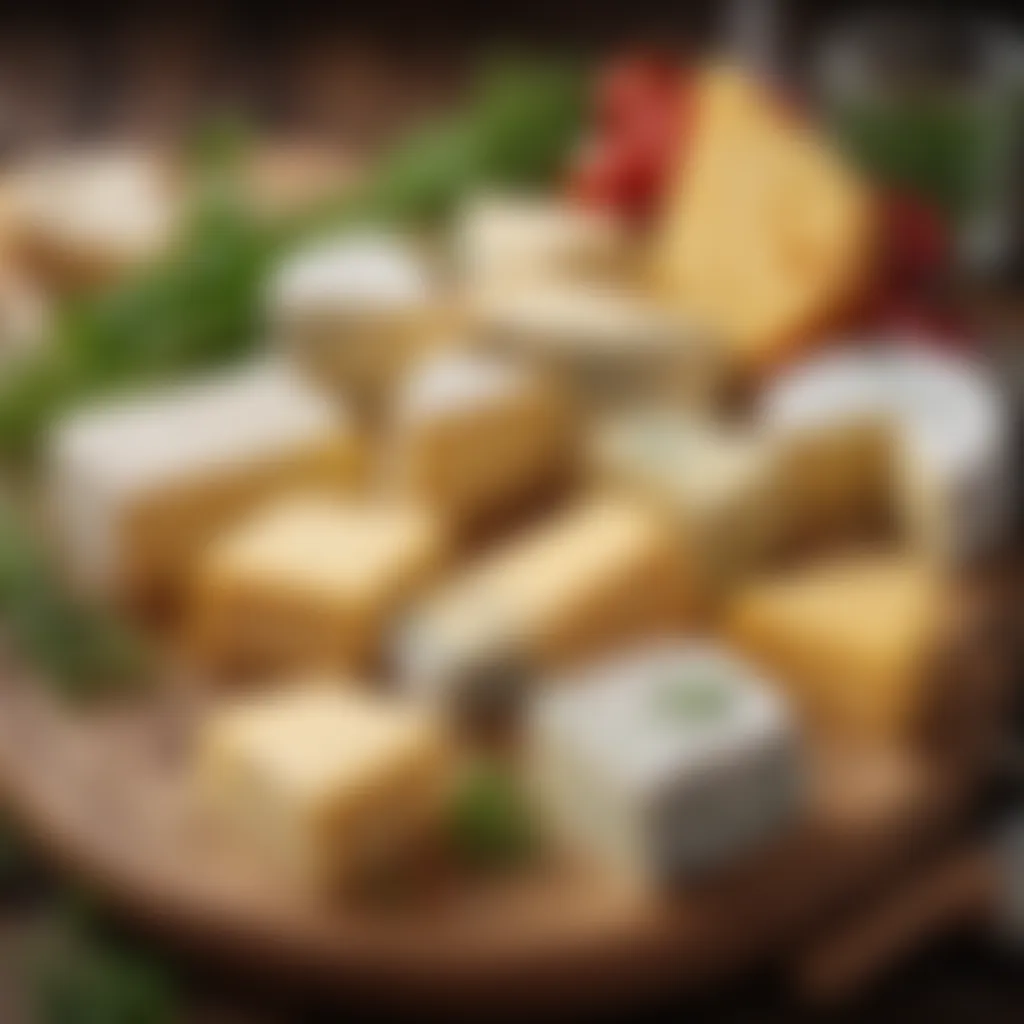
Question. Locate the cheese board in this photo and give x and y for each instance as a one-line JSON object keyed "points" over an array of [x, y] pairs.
{"points": [[571, 490]]}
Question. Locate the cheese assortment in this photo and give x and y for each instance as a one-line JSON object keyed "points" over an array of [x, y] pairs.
{"points": [[473, 435], [855, 639], [327, 782], [951, 445], [720, 485], [358, 311], [767, 237], [614, 358], [503, 242], [600, 573], [608, 346], [311, 581], [666, 762], [139, 486]]}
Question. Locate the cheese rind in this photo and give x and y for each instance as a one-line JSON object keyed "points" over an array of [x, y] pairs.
{"points": [[474, 436], [855, 640], [358, 311], [766, 236], [328, 784], [312, 581], [666, 762], [606, 346], [138, 487], [598, 574]]}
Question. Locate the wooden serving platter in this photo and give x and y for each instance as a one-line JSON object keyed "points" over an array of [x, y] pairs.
{"points": [[105, 792]]}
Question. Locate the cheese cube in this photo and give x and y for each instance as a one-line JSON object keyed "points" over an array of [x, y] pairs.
{"points": [[666, 762], [474, 435], [951, 459], [596, 575], [766, 237], [312, 581], [358, 311], [720, 486], [608, 347], [327, 784], [502, 241], [84, 219], [855, 639], [139, 486]]}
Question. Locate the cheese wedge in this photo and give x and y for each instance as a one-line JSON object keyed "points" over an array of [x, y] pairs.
{"points": [[598, 574], [327, 784], [474, 436], [856, 640], [138, 487], [766, 237], [311, 581]]}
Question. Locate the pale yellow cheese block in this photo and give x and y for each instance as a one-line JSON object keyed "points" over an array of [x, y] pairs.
{"points": [[474, 437], [311, 581], [326, 782], [855, 638], [766, 236]]}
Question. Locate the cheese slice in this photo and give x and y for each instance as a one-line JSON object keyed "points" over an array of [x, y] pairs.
{"points": [[311, 581], [137, 487], [856, 639], [474, 436], [327, 784], [598, 574], [766, 236]]}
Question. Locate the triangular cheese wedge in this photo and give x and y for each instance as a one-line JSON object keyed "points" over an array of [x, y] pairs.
{"points": [[766, 236]]}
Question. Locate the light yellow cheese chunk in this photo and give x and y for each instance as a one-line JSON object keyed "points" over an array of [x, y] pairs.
{"points": [[720, 486], [327, 783], [766, 236], [474, 436], [855, 638], [312, 580]]}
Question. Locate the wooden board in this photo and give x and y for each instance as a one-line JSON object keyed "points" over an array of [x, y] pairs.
{"points": [[106, 793]]}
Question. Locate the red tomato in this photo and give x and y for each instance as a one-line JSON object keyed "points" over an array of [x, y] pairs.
{"points": [[633, 83]]}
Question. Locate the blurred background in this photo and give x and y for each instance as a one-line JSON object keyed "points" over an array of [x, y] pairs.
{"points": [[339, 79]]}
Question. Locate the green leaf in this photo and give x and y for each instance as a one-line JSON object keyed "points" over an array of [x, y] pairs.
{"points": [[489, 819]]}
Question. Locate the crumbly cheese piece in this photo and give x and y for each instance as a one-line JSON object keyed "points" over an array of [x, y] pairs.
{"points": [[666, 762], [473, 435], [721, 486], [608, 346], [854, 638], [357, 310], [85, 218], [327, 783], [503, 241], [766, 236], [312, 581], [598, 574], [138, 486], [951, 450]]}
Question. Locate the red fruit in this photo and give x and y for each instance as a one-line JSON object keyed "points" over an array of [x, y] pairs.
{"points": [[918, 241], [633, 83]]}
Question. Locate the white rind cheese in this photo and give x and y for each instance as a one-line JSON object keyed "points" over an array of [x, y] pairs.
{"points": [[954, 475], [665, 762], [148, 479], [326, 783]]}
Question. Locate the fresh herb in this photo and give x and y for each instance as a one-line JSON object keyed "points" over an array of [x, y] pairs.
{"points": [[84, 974], [490, 821], [693, 700], [80, 651]]}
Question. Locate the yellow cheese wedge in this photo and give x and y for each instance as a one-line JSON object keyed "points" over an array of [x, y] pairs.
{"points": [[311, 581], [766, 236], [855, 638], [325, 782]]}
